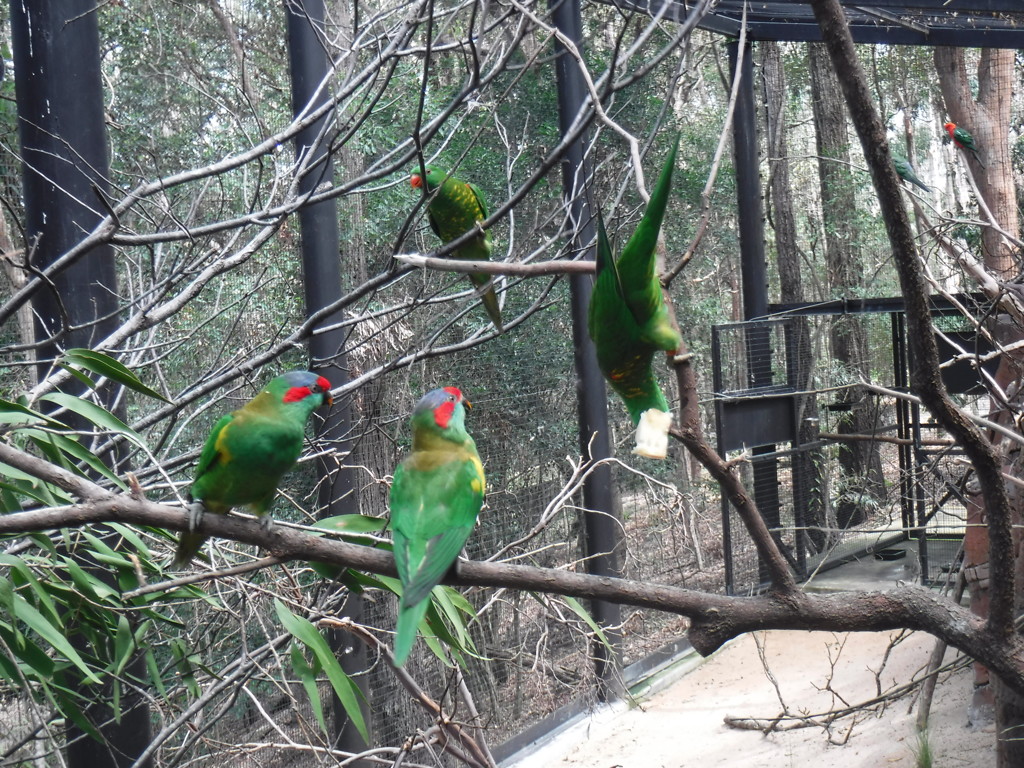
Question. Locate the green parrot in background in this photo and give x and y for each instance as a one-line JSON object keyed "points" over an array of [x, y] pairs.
{"points": [[629, 321], [250, 449], [436, 495], [906, 172], [962, 138], [456, 208]]}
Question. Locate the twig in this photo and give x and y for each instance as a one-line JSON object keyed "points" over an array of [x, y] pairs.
{"points": [[498, 267]]}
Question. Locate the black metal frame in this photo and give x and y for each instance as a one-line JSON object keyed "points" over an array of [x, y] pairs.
{"points": [[741, 416]]}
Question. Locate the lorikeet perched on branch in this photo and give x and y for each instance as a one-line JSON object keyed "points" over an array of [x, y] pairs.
{"points": [[629, 320], [906, 172], [435, 497], [962, 138], [250, 449], [455, 209]]}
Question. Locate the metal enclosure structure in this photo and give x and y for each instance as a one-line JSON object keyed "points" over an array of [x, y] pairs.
{"points": [[925, 499]]}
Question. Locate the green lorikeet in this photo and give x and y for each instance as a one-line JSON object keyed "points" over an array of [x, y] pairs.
{"points": [[250, 449], [456, 208], [962, 138], [435, 497], [629, 321], [906, 172]]}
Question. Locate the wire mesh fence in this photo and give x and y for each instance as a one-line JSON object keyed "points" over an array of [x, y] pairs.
{"points": [[838, 462]]}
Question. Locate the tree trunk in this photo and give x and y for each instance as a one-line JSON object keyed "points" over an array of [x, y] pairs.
{"points": [[782, 218], [988, 119], [859, 461]]}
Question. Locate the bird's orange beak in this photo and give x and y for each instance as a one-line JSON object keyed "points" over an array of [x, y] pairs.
{"points": [[329, 399], [466, 403], [416, 181]]}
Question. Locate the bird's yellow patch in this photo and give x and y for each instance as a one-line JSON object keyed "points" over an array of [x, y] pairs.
{"points": [[477, 483], [221, 444]]}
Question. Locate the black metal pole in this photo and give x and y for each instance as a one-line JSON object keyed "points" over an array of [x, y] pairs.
{"points": [[601, 520], [748, 189], [754, 271], [321, 263], [65, 170]]}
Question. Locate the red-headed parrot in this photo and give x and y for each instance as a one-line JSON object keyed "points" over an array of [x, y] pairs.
{"points": [[250, 449], [456, 208], [962, 138], [629, 320], [906, 172], [436, 495]]}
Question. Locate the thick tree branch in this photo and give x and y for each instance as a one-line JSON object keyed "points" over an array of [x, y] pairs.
{"points": [[715, 618]]}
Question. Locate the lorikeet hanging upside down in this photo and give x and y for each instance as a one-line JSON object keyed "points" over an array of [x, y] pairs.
{"points": [[455, 209], [906, 172], [435, 497], [629, 321], [250, 449], [963, 139]]}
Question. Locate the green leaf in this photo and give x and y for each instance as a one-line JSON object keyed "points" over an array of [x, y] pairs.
{"points": [[25, 575], [104, 365], [26, 612], [355, 529], [308, 677], [579, 610], [75, 450], [352, 524], [154, 673], [124, 644], [89, 411], [347, 691], [51, 495], [16, 413]]}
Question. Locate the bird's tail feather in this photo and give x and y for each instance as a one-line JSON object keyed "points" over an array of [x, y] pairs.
{"points": [[489, 298], [409, 619], [188, 545]]}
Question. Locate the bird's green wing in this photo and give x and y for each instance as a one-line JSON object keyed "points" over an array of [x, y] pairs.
{"points": [[483, 211], [638, 261], [432, 515], [606, 261], [212, 453], [434, 224]]}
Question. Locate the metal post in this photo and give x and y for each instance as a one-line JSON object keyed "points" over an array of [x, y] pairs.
{"points": [[601, 520], [754, 270], [748, 189], [65, 173], [321, 263]]}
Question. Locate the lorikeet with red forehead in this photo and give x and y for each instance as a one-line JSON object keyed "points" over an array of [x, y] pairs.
{"points": [[436, 495], [250, 449], [629, 321], [454, 209], [962, 138]]}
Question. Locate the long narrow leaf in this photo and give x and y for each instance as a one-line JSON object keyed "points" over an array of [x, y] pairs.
{"points": [[347, 691], [101, 417], [104, 365], [307, 675], [26, 612]]}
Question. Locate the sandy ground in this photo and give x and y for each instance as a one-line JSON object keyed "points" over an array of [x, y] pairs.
{"points": [[683, 724]]}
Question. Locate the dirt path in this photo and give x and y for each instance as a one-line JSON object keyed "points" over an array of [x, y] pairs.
{"points": [[682, 725]]}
